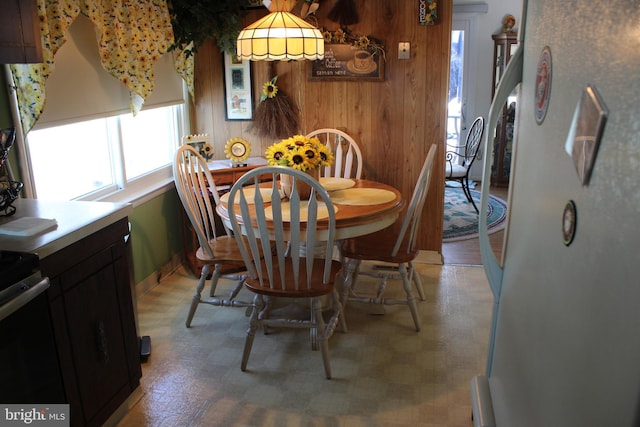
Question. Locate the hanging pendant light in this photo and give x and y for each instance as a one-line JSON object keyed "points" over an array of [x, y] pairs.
{"points": [[280, 35]]}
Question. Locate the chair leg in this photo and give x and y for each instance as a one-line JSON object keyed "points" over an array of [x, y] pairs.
{"points": [[217, 272], [415, 277], [314, 318], [322, 334], [411, 301], [337, 304], [349, 275], [251, 332], [467, 192], [195, 300]]}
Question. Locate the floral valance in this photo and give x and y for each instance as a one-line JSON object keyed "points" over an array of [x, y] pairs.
{"points": [[132, 36]]}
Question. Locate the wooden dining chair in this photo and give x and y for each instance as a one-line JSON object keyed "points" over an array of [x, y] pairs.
{"points": [[348, 157], [348, 161], [282, 274], [196, 188], [374, 247]]}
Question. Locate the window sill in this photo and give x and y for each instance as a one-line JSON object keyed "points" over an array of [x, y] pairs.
{"points": [[140, 196]]}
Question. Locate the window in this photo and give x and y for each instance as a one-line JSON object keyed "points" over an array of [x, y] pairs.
{"points": [[116, 158], [87, 145]]}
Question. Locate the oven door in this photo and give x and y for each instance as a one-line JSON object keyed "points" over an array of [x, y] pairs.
{"points": [[30, 371]]}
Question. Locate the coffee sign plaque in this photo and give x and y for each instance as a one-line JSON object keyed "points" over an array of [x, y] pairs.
{"points": [[346, 62]]}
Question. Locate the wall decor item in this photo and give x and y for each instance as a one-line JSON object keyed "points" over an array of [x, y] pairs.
{"points": [[586, 131], [508, 23], [237, 150], [200, 142], [427, 12], [349, 56], [309, 7], [276, 115], [569, 222], [543, 84], [237, 88]]}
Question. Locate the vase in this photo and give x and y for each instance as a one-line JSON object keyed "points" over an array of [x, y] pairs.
{"points": [[303, 189]]}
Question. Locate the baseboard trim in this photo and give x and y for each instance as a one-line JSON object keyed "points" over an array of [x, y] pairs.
{"points": [[152, 280], [122, 410], [429, 257]]}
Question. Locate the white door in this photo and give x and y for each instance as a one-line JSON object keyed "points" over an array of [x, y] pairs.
{"points": [[457, 97], [462, 110]]}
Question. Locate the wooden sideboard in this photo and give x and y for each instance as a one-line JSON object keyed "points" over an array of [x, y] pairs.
{"points": [[224, 176]]}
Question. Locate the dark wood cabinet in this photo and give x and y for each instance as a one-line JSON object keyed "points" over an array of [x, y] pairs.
{"points": [[94, 323], [20, 40], [504, 46]]}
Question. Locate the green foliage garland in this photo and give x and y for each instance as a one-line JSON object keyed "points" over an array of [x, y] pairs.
{"points": [[197, 21]]}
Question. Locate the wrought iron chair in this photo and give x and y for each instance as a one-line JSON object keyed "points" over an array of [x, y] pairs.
{"points": [[283, 274], [459, 161], [372, 247], [195, 187]]}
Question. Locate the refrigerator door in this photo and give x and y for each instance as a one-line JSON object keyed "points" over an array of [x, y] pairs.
{"points": [[565, 345], [482, 405]]}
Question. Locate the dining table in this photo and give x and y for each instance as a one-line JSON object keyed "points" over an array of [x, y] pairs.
{"points": [[361, 206]]}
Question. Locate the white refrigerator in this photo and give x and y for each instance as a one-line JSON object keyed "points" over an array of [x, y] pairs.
{"points": [[565, 340]]}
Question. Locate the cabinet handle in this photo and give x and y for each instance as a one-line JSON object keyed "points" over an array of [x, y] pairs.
{"points": [[103, 350]]}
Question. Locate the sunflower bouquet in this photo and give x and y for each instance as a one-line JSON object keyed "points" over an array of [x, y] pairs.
{"points": [[299, 152]]}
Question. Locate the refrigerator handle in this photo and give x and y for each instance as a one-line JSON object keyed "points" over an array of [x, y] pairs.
{"points": [[511, 78]]}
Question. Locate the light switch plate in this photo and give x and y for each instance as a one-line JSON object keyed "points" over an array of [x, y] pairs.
{"points": [[404, 50]]}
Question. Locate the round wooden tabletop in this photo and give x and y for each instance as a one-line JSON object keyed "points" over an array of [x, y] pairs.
{"points": [[362, 208]]}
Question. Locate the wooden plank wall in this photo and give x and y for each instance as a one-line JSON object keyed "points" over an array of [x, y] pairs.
{"points": [[394, 121]]}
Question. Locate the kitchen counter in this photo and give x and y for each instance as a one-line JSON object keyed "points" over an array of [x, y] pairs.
{"points": [[76, 220], [90, 302]]}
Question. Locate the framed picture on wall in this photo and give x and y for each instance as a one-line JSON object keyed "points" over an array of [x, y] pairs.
{"points": [[345, 62], [238, 94]]}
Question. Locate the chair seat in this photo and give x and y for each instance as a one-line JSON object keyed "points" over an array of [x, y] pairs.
{"points": [[370, 246], [455, 171], [317, 287], [225, 249]]}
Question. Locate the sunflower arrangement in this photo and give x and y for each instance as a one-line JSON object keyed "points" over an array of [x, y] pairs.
{"points": [[299, 152], [344, 35]]}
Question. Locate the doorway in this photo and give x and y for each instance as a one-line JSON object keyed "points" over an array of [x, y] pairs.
{"points": [[458, 96]]}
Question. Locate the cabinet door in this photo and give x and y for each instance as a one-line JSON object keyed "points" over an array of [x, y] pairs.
{"points": [[20, 40], [94, 324], [97, 339]]}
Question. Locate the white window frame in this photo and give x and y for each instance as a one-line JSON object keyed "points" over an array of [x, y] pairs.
{"points": [[136, 190]]}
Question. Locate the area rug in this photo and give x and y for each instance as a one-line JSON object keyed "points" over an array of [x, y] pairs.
{"points": [[461, 220]]}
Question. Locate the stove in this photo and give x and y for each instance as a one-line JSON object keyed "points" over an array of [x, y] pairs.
{"points": [[27, 340], [15, 266]]}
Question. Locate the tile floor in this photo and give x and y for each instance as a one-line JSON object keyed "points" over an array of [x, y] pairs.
{"points": [[385, 373]]}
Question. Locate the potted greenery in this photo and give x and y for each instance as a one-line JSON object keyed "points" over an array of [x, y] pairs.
{"points": [[196, 21]]}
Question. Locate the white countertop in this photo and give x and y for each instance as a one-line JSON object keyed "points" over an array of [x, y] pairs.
{"points": [[76, 220]]}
